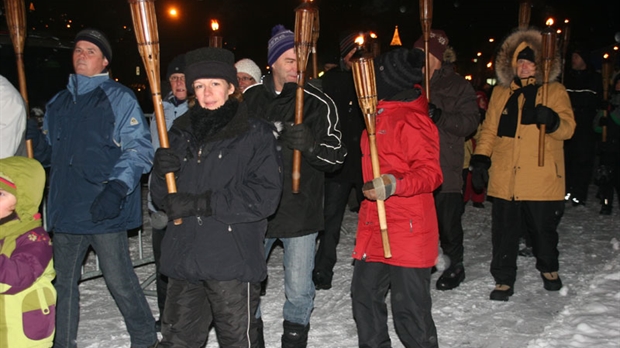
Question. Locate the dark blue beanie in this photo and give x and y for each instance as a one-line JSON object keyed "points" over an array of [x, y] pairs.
{"points": [[281, 41]]}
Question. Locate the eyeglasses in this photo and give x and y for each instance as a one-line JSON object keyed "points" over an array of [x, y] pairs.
{"points": [[245, 78], [177, 78]]}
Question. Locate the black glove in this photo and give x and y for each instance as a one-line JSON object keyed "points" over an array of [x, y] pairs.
{"points": [[178, 205], [603, 121], [479, 166], [384, 186], [434, 112], [107, 205], [33, 132], [298, 137], [548, 117], [165, 161]]}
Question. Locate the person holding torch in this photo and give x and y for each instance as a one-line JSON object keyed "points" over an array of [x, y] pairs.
{"points": [[407, 146], [300, 215], [229, 178], [507, 157]]}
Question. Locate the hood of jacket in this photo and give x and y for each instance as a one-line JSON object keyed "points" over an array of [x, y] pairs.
{"points": [[29, 178], [506, 59]]}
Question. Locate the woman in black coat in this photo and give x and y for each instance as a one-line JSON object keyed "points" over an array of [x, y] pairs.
{"points": [[228, 176]]}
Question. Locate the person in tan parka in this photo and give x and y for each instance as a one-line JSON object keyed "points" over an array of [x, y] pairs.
{"points": [[525, 195]]}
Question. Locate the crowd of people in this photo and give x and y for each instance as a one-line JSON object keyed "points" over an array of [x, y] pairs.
{"points": [[232, 135]]}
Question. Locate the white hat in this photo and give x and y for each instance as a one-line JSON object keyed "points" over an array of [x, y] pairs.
{"points": [[249, 67]]}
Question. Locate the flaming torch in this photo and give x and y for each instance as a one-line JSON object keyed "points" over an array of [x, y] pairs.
{"points": [[215, 40]]}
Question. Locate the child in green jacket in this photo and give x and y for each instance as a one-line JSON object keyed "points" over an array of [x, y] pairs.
{"points": [[27, 296]]}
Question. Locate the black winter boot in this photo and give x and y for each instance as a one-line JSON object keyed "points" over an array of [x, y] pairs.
{"points": [[295, 335], [260, 339]]}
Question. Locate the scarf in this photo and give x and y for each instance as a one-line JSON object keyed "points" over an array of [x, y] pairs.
{"points": [[508, 122]]}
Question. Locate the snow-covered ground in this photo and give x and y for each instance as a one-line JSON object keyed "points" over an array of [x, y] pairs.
{"points": [[585, 313]]}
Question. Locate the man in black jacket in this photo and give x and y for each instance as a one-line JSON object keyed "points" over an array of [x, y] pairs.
{"points": [[585, 89], [299, 216], [338, 84]]}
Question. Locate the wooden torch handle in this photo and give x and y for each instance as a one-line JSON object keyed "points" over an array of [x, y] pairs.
{"points": [[304, 22], [315, 38], [426, 19], [366, 88], [548, 54], [606, 71], [16, 21], [147, 36], [525, 9]]}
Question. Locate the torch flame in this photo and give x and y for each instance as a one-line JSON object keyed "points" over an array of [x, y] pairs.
{"points": [[215, 25], [372, 35], [359, 40], [549, 22], [606, 55]]}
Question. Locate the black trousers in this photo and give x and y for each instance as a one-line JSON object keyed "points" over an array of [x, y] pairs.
{"points": [[579, 155], [336, 198], [607, 187], [191, 308], [161, 281], [410, 300], [450, 210], [540, 219]]}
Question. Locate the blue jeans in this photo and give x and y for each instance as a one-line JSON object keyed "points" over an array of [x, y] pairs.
{"points": [[298, 285], [113, 252]]}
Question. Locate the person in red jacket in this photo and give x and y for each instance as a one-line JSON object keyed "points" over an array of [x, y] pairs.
{"points": [[408, 149]]}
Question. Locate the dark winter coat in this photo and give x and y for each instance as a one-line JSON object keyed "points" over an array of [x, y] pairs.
{"points": [[241, 165], [460, 117], [585, 89], [97, 134], [338, 85], [301, 213]]}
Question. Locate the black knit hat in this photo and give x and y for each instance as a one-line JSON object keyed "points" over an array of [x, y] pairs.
{"points": [[98, 38], [398, 70], [176, 66], [528, 54], [210, 63]]}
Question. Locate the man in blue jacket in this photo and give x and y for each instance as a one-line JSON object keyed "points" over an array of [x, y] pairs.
{"points": [[100, 147]]}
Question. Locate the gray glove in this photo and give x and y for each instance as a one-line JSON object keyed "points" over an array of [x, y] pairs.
{"points": [[384, 186]]}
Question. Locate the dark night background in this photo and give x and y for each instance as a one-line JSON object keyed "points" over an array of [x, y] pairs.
{"points": [[245, 26]]}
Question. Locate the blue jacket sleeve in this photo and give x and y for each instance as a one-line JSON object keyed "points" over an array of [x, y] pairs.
{"points": [[132, 134]]}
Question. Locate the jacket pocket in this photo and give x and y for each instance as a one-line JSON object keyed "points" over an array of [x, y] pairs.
{"points": [[39, 313]]}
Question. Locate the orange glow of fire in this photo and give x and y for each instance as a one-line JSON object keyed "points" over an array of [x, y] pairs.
{"points": [[215, 25], [359, 40], [549, 22], [372, 35]]}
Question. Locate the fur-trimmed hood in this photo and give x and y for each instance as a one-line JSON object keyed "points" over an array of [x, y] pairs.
{"points": [[506, 59], [449, 55]]}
